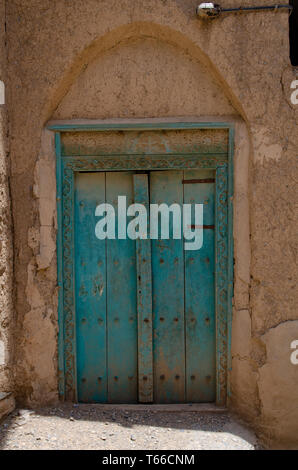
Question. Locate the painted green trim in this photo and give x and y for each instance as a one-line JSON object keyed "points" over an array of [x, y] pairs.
{"points": [[66, 167], [231, 252], [148, 162], [222, 155], [144, 126], [69, 308], [221, 281]]}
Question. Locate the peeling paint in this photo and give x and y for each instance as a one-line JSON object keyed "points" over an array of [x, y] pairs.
{"points": [[264, 148]]}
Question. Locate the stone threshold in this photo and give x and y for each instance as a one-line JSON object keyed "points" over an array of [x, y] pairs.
{"points": [[168, 408]]}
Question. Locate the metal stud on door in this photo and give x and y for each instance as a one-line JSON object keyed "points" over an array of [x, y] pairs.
{"points": [[144, 296], [145, 309]]}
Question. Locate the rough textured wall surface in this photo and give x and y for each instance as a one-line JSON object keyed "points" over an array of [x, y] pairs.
{"points": [[6, 309], [143, 78], [55, 47]]}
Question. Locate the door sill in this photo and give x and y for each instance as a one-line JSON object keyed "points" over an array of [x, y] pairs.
{"points": [[167, 408]]}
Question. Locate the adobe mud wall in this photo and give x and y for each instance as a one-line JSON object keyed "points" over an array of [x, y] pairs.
{"points": [[6, 255], [90, 59]]}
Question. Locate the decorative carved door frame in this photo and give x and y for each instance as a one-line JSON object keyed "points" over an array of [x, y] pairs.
{"points": [[67, 165]]}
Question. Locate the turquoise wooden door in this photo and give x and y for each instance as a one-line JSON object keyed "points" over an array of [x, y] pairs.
{"points": [[145, 314], [106, 310]]}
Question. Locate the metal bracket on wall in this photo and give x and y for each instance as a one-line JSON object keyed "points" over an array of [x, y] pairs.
{"points": [[213, 10]]}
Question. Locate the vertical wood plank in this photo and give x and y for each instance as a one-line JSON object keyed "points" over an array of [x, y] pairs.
{"points": [[90, 266], [144, 298], [200, 295], [121, 301], [222, 273], [168, 297]]}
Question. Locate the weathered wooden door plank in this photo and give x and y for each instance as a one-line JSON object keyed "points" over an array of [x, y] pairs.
{"points": [[121, 300], [144, 298], [168, 296], [90, 262], [200, 294]]}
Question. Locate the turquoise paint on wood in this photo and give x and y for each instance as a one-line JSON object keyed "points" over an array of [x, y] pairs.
{"points": [[106, 316], [199, 294], [90, 264], [89, 126], [168, 297], [144, 297], [66, 171], [222, 280], [121, 302], [113, 287]]}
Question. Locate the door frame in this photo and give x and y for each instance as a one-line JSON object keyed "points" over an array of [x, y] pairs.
{"points": [[66, 166]]}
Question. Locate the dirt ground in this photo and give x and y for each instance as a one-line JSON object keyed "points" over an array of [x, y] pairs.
{"points": [[94, 427]]}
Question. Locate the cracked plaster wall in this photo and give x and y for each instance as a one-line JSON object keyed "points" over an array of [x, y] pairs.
{"points": [[242, 65], [6, 253]]}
